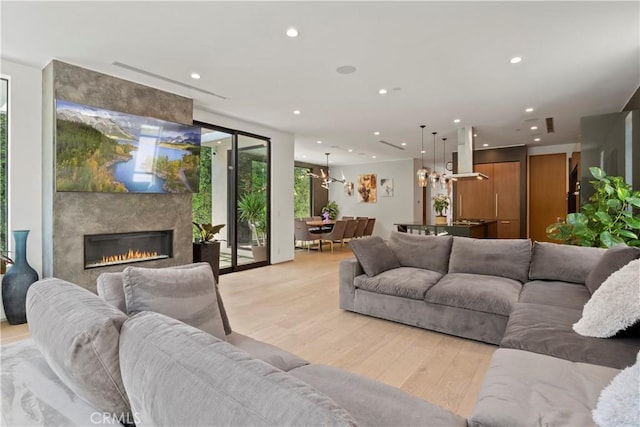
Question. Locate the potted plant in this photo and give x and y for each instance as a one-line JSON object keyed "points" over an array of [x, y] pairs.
{"points": [[206, 247], [332, 209], [607, 220], [440, 205], [252, 208]]}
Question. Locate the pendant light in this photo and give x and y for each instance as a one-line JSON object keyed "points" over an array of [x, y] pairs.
{"points": [[444, 178], [434, 175], [422, 172]]}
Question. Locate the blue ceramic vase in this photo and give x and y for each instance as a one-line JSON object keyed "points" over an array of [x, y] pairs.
{"points": [[17, 280]]}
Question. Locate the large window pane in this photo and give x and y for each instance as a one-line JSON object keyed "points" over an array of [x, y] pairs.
{"points": [[302, 192]]}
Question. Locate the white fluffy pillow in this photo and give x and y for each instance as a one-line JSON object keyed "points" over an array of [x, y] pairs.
{"points": [[619, 402], [614, 306]]}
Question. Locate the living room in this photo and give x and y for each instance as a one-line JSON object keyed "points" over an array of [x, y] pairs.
{"points": [[343, 112]]}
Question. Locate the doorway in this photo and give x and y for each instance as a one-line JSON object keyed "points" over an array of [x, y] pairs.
{"points": [[236, 191]]}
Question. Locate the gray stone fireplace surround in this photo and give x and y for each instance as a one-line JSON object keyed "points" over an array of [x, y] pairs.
{"points": [[69, 216]]}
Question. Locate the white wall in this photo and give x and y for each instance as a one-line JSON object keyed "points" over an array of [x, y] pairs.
{"points": [[25, 156], [281, 179], [387, 210]]}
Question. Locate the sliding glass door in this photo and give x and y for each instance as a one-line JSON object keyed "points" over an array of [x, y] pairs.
{"points": [[234, 190]]}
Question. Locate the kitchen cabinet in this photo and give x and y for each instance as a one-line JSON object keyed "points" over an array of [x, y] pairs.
{"points": [[497, 198]]}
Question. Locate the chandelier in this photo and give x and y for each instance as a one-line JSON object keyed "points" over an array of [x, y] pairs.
{"points": [[434, 177], [444, 178], [422, 173], [326, 179]]}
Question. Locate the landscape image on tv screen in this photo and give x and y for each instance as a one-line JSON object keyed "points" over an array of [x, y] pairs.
{"points": [[108, 151]]}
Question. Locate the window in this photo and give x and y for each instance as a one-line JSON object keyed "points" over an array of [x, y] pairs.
{"points": [[301, 192], [4, 162]]}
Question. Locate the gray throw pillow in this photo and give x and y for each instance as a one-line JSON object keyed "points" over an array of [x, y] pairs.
{"points": [[187, 295], [612, 260], [374, 255], [78, 333], [419, 251], [565, 263]]}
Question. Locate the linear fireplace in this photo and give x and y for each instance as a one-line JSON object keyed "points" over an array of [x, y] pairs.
{"points": [[101, 250]]}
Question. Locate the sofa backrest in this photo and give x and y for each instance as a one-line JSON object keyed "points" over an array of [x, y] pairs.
{"points": [[420, 251], [78, 334], [492, 257], [218, 383], [111, 289], [564, 263]]}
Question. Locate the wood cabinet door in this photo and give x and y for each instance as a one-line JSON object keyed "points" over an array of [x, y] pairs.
{"points": [[506, 190], [547, 193], [474, 195], [508, 229]]}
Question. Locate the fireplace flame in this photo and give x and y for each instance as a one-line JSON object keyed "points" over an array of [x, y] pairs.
{"points": [[129, 256]]}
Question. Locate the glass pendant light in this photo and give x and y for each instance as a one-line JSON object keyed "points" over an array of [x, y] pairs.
{"points": [[444, 178], [434, 175], [422, 173]]}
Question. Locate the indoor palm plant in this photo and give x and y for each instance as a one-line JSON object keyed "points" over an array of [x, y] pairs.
{"points": [[440, 205], [607, 220], [252, 208]]}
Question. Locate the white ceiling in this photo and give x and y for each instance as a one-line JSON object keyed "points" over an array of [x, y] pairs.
{"points": [[448, 59]]}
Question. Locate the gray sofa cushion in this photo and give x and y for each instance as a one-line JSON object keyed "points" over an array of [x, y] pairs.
{"points": [[217, 383], [489, 294], [503, 258], [427, 252], [78, 332], [558, 294], [273, 355], [33, 395], [523, 389], [185, 294], [374, 255], [405, 282], [372, 403], [611, 261], [111, 288], [565, 263], [548, 330]]}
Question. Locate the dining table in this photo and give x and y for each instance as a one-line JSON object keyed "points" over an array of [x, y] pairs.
{"points": [[319, 227]]}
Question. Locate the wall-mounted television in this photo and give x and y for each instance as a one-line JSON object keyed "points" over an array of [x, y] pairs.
{"points": [[99, 150]]}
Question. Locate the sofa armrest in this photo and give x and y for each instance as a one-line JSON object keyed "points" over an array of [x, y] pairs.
{"points": [[349, 269]]}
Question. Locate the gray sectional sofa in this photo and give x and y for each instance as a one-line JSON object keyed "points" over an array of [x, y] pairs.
{"points": [[522, 297]]}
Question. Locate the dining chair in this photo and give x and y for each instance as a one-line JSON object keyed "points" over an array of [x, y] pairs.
{"points": [[302, 234], [350, 230], [335, 235], [362, 224], [368, 230], [347, 217]]}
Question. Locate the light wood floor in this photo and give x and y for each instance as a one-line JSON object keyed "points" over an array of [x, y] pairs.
{"points": [[294, 306]]}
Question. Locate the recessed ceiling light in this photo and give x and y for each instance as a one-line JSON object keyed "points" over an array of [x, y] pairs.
{"points": [[195, 76], [319, 142], [485, 145], [536, 139], [456, 121], [219, 142], [475, 134], [376, 133], [382, 91], [296, 112], [403, 144], [534, 128], [292, 32], [350, 150], [346, 69], [529, 110], [515, 60], [422, 152], [373, 157]]}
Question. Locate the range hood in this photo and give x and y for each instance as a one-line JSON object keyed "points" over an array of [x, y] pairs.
{"points": [[465, 156]]}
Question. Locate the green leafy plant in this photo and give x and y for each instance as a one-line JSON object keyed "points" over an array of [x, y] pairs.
{"points": [[332, 208], [440, 203], [607, 220], [4, 261], [207, 232], [252, 207]]}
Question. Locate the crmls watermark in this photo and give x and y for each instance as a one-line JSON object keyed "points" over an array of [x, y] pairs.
{"points": [[113, 418]]}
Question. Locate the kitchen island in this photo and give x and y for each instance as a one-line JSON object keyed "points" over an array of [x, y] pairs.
{"points": [[477, 229]]}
